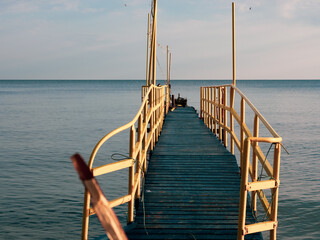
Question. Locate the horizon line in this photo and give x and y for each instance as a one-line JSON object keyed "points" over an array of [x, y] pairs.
{"points": [[178, 79]]}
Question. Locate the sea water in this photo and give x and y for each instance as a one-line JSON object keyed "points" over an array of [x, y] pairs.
{"points": [[44, 122]]}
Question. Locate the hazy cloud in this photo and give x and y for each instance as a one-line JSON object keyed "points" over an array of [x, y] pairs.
{"points": [[107, 39]]}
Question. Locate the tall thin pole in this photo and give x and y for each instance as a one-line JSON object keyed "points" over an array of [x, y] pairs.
{"points": [[151, 60], [169, 69], [154, 41], [148, 37], [233, 47], [167, 64]]}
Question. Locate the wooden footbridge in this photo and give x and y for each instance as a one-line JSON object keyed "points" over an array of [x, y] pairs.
{"points": [[183, 178], [192, 185]]}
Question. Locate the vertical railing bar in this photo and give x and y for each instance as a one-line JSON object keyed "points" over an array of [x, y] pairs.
{"points": [[242, 117], [275, 191], [157, 114], [140, 158], [254, 163], [201, 102], [212, 109], [204, 105], [207, 106], [225, 140], [154, 115], [215, 111], [243, 190], [231, 119], [220, 114], [145, 123], [131, 176], [151, 119]]}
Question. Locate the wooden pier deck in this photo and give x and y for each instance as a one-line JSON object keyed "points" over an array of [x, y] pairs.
{"points": [[192, 185]]}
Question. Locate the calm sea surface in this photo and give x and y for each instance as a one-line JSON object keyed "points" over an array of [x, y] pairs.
{"points": [[44, 122]]}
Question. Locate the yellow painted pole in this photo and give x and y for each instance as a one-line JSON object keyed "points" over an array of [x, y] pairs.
{"points": [[242, 134], [215, 111], [167, 64], [231, 119], [275, 191], [233, 46], [201, 102], [212, 109], [169, 68], [220, 113], [154, 41], [150, 61], [147, 62], [225, 118], [243, 191], [255, 163], [145, 124], [131, 176]]}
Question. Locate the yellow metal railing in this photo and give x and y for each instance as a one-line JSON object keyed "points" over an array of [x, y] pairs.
{"points": [[215, 107], [149, 121]]}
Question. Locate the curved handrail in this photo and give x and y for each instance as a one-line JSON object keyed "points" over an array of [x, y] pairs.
{"points": [[213, 110], [254, 109], [154, 106], [119, 129]]}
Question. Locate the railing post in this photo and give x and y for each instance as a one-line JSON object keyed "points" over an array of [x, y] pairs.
{"points": [[162, 111], [254, 163], [201, 102], [225, 119], [140, 157], [131, 176], [148, 38], [242, 118], [215, 111], [158, 97], [167, 99], [200, 116], [220, 114], [157, 114], [207, 107], [204, 104], [231, 119], [210, 107], [152, 117], [145, 125], [275, 191], [212, 110], [243, 190]]}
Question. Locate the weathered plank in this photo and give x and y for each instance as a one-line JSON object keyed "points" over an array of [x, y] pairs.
{"points": [[192, 185]]}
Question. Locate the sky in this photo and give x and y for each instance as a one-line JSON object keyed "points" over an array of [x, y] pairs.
{"points": [[106, 39]]}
